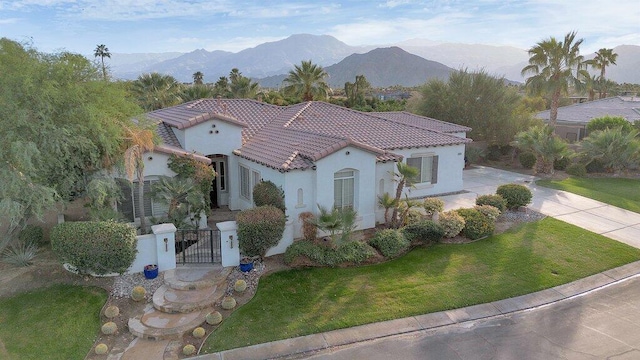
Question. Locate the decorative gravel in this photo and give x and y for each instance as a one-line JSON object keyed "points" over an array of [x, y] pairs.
{"points": [[251, 277], [521, 215], [124, 284]]}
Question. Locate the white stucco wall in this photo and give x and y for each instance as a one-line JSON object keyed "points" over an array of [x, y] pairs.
{"points": [[384, 173], [365, 190], [212, 137], [450, 166], [156, 163]]}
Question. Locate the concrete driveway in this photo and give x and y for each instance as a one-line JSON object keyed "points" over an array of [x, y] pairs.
{"points": [[596, 216]]}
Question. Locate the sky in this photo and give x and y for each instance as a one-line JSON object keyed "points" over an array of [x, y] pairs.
{"points": [[152, 26]]}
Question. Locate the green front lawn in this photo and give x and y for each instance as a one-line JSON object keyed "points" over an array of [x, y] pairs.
{"points": [[60, 322], [532, 257], [623, 193]]}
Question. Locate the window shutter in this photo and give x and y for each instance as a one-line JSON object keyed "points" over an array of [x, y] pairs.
{"points": [[434, 170]]}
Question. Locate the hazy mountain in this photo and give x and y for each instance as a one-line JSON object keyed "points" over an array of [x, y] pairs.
{"points": [[121, 65], [627, 68], [183, 67]]}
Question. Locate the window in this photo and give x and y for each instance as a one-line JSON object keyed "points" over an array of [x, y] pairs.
{"points": [[245, 186], [300, 202], [344, 189], [427, 168], [128, 206], [221, 177]]}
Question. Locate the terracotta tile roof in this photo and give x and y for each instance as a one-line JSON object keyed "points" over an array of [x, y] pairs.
{"points": [[422, 121], [179, 151], [167, 135], [294, 137], [626, 107]]}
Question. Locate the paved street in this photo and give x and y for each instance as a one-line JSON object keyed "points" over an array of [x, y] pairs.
{"points": [[604, 324]]}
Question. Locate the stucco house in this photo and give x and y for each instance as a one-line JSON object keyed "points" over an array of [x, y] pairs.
{"points": [[572, 119], [319, 153]]}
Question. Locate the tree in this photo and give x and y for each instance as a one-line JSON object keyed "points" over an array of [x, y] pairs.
{"points": [[307, 82], [477, 100], [59, 124], [604, 57], [221, 87], [198, 78], [609, 122], [196, 92], [405, 177], [388, 203], [555, 66], [102, 51], [616, 148], [544, 144], [140, 139], [154, 91], [357, 92]]}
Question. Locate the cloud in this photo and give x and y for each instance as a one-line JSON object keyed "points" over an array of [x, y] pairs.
{"points": [[9, 21]]}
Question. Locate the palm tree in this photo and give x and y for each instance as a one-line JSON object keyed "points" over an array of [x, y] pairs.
{"points": [[307, 81], [243, 88], [139, 140], [616, 148], [198, 78], [196, 92], [405, 177], [604, 57], [554, 66], [388, 203], [155, 91], [102, 51], [544, 144]]}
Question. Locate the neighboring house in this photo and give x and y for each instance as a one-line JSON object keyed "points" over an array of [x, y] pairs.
{"points": [[320, 154], [572, 120]]}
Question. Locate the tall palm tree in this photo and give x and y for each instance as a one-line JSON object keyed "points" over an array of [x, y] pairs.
{"points": [[139, 140], [196, 92], [102, 51], [307, 81], [198, 78], [554, 66], [155, 91], [604, 57]]}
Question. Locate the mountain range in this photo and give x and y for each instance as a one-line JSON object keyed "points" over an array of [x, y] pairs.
{"points": [[408, 63]]}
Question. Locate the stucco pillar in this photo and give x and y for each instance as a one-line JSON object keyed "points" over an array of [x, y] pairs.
{"points": [[229, 243], [165, 245]]}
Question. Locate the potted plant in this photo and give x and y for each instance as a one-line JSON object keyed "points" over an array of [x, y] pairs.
{"points": [[151, 271], [246, 264]]}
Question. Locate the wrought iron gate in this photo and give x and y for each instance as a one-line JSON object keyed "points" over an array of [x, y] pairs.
{"points": [[198, 246]]}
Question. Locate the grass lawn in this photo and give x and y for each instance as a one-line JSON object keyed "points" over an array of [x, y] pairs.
{"points": [[623, 193], [60, 322], [526, 259]]}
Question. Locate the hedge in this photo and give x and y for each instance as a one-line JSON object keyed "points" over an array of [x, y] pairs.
{"points": [[99, 247], [425, 231], [390, 242], [476, 225], [259, 229], [516, 195], [354, 252]]}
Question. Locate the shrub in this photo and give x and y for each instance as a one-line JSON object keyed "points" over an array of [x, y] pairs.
{"points": [[214, 318], [109, 328], [198, 332], [101, 349], [350, 252], [111, 311], [425, 231], [306, 248], [527, 159], [489, 211], [473, 155], [476, 225], [561, 163], [413, 216], [433, 206], [138, 293], [98, 247], [267, 193], [228, 303], [259, 229], [309, 230], [494, 200], [32, 234], [189, 350], [579, 170], [493, 152], [616, 149], [390, 242], [452, 223], [595, 166], [516, 195], [240, 285], [20, 253], [608, 122]]}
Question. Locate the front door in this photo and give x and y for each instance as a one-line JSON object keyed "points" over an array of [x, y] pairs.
{"points": [[219, 191]]}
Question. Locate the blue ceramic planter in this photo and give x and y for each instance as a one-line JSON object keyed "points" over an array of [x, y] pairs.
{"points": [[151, 271]]}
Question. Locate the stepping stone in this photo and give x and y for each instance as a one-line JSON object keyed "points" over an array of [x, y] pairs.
{"points": [[145, 349], [194, 278], [169, 300], [158, 325]]}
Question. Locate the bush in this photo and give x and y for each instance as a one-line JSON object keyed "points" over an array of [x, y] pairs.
{"points": [[476, 225], [413, 216], [527, 159], [579, 170], [473, 155], [516, 195], [433, 206], [350, 252], [495, 200], [309, 230], [562, 163], [390, 242], [452, 223], [20, 253], [595, 166], [32, 234], [425, 231], [493, 152], [489, 211], [608, 122], [267, 193], [259, 229], [98, 247]]}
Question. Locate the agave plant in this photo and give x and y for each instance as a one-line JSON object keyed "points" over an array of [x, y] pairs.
{"points": [[20, 253]]}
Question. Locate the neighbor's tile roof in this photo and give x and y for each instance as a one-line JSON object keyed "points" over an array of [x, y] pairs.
{"points": [[582, 113], [294, 137]]}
